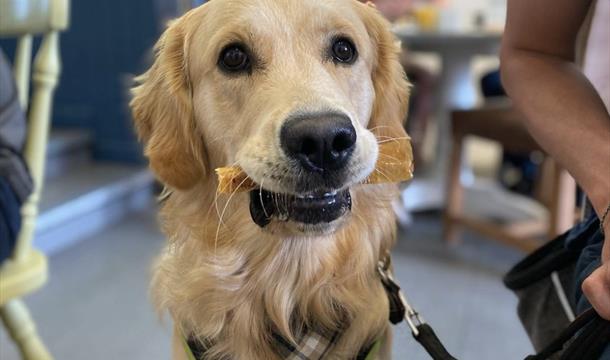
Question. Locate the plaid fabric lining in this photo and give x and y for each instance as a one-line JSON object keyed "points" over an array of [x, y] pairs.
{"points": [[312, 346]]}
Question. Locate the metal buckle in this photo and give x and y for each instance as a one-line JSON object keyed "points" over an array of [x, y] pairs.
{"points": [[412, 317]]}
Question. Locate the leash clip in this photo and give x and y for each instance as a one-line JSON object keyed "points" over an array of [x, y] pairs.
{"points": [[413, 319], [400, 310]]}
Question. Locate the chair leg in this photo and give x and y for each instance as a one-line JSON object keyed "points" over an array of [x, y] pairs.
{"points": [[22, 329], [454, 193]]}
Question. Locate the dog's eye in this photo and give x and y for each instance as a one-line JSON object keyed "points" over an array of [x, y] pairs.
{"points": [[234, 59], [344, 51]]}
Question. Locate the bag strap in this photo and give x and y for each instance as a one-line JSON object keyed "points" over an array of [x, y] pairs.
{"points": [[591, 343], [593, 336]]}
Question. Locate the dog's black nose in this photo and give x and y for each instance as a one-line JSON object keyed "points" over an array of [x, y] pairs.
{"points": [[319, 142]]}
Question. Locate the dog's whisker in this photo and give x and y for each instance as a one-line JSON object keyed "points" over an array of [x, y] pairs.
{"points": [[383, 174], [286, 201], [393, 139], [386, 156], [220, 222], [216, 195], [382, 137], [260, 195], [215, 204], [216, 198], [275, 200], [221, 138], [378, 127]]}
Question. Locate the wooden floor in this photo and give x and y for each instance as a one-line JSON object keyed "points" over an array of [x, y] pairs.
{"points": [[108, 314]]}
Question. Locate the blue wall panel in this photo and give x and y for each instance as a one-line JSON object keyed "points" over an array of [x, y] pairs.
{"points": [[108, 42]]}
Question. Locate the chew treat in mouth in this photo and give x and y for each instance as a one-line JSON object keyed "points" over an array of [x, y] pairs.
{"points": [[231, 179], [394, 164]]}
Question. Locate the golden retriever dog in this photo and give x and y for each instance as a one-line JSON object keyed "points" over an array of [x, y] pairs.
{"points": [[298, 93]]}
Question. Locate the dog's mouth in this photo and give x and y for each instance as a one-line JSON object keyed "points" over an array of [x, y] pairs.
{"points": [[309, 209]]}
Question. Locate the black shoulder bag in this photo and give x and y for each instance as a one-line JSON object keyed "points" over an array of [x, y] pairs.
{"points": [[543, 283]]}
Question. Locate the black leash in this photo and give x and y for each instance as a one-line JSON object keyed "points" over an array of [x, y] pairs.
{"points": [[400, 310]]}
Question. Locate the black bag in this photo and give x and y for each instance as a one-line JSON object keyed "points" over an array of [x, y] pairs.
{"points": [[544, 283]]}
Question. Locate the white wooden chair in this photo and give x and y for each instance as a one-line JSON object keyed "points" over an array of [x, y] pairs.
{"points": [[26, 270]]}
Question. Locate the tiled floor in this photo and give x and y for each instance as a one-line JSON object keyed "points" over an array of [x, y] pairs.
{"points": [[96, 304]]}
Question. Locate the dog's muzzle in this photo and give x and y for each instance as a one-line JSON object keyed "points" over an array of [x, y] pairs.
{"points": [[311, 209]]}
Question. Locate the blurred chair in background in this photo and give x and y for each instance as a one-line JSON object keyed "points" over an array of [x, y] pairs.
{"points": [[421, 103], [26, 270], [518, 171], [498, 121]]}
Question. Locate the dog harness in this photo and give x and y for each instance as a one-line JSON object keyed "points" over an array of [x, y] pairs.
{"points": [[315, 344]]}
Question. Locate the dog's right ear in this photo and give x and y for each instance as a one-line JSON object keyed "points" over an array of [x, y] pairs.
{"points": [[163, 112]]}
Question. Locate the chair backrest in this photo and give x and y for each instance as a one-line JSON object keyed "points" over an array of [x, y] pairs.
{"points": [[24, 19]]}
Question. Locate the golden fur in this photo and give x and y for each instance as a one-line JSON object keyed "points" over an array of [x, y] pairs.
{"points": [[222, 277]]}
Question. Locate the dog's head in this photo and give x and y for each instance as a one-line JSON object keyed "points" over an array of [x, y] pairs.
{"points": [[297, 93]]}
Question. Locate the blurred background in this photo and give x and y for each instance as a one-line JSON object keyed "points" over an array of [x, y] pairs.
{"points": [[484, 195]]}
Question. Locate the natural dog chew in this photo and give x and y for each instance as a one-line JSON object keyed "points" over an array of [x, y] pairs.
{"points": [[394, 164]]}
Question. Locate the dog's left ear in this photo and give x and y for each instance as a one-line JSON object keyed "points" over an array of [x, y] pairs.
{"points": [[389, 80]]}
